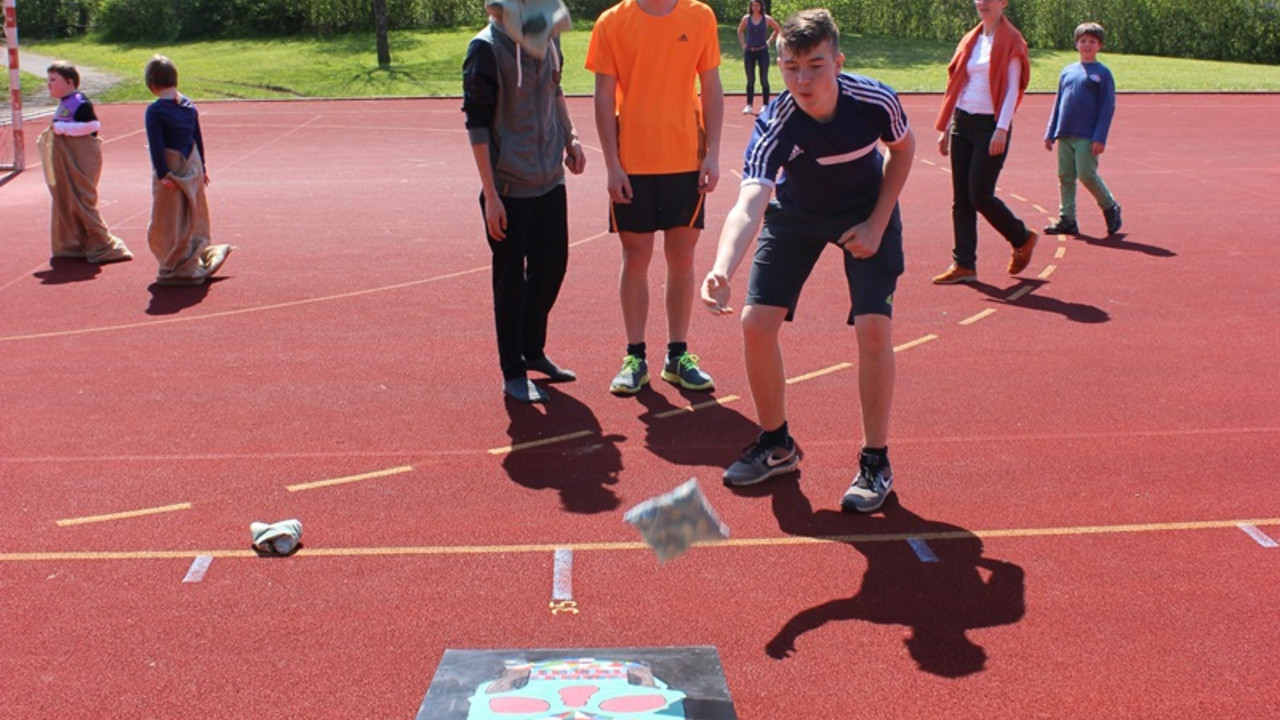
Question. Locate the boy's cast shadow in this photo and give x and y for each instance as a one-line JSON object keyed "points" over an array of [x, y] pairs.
{"points": [[581, 469], [67, 270], [938, 601], [1075, 312], [171, 299], [711, 435], [1117, 241]]}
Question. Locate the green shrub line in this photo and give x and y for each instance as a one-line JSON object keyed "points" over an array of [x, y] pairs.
{"points": [[1232, 30]]}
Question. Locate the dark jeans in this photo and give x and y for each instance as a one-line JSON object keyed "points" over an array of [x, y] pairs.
{"points": [[974, 172], [750, 59], [528, 267]]}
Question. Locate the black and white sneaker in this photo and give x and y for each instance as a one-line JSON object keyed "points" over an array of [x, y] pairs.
{"points": [[1112, 216], [761, 462], [871, 487]]}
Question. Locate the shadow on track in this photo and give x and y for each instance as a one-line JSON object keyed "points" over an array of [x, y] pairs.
{"points": [[582, 470], [939, 600], [1075, 312]]}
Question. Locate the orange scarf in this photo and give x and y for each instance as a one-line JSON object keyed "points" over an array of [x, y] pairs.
{"points": [[1007, 46]]}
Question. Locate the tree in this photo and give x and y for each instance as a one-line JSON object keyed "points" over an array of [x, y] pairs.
{"points": [[380, 26]]}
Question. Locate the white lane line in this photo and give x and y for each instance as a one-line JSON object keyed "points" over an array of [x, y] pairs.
{"points": [[818, 373], [923, 551], [123, 515], [348, 479], [1047, 271], [1018, 293], [1060, 253], [915, 343], [199, 567], [975, 318], [1260, 537]]}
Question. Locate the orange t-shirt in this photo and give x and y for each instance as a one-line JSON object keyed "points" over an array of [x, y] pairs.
{"points": [[656, 61]]}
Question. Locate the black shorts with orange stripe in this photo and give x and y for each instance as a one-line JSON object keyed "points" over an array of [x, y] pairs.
{"points": [[659, 202]]}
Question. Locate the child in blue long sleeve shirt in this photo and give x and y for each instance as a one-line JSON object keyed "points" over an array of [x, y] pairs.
{"points": [[1080, 122], [179, 230]]}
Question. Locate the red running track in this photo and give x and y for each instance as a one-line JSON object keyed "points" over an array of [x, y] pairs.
{"points": [[1078, 448]]}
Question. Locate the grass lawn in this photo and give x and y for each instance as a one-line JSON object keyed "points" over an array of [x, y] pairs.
{"points": [[429, 62]]}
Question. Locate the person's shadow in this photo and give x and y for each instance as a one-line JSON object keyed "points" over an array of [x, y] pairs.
{"points": [[173, 299], [1118, 241], [940, 592], [582, 469], [67, 270], [1033, 300], [714, 434]]}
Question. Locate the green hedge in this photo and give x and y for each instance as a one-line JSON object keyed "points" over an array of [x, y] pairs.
{"points": [[1238, 30]]}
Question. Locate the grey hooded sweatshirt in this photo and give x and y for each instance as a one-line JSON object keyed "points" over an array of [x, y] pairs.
{"points": [[510, 99]]}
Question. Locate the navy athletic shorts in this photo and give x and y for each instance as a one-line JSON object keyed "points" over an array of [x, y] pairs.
{"points": [[790, 244]]}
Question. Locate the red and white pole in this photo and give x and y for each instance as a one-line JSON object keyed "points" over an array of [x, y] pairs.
{"points": [[15, 80]]}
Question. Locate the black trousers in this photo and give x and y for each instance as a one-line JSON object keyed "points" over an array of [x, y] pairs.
{"points": [[528, 268], [751, 59], [974, 172]]}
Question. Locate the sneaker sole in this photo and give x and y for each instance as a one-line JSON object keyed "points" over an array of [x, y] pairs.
{"points": [[957, 281], [627, 389], [677, 380]]}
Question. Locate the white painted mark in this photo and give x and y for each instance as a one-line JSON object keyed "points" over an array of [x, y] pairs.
{"points": [[1060, 253], [1048, 270], [923, 551], [562, 576], [975, 318], [199, 567], [1018, 293], [1260, 537]]}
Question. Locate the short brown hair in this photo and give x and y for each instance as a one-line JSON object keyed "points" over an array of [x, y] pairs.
{"points": [[161, 72], [808, 29], [66, 70], [1091, 29]]}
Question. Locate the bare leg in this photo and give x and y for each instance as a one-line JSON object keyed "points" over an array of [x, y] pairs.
{"points": [[678, 245], [762, 352], [876, 372], [633, 284]]}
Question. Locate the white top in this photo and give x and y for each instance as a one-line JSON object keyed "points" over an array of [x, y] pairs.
{"points": [[976, 96]]}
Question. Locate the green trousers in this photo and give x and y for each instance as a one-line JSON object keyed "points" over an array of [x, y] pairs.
{"points": [[1077, 162]]}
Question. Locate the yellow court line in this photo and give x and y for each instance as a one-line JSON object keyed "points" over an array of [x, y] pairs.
{"points": [[915, 343], [124, 515], [975, 318], [1017, 197], [263, 308], [1060, 252], [819, 373], [694, 408], [1038, 208], [427, 550], [538, 443], [349, 478], [1018, 293], [1047, 271]]}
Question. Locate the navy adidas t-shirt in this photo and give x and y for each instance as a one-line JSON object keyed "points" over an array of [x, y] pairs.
{"points": [[829, 168]]}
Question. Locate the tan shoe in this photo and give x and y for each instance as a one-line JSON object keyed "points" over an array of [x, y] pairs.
{"points": [[956, 274], [1021, 256]]}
